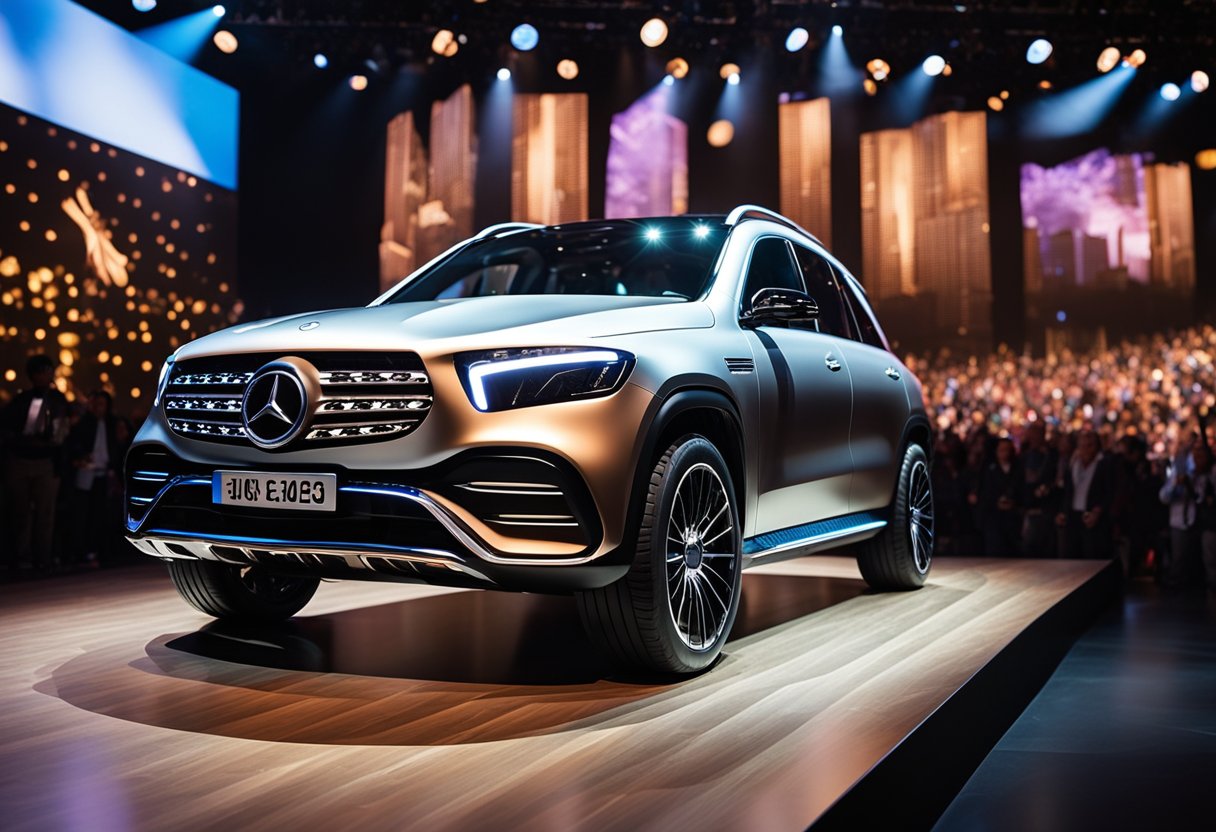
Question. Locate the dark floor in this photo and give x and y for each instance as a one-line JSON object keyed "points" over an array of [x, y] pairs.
{"points": [[1123, 735]]}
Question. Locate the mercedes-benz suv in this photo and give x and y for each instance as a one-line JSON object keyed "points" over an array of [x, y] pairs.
{"points": [[631, 411]]}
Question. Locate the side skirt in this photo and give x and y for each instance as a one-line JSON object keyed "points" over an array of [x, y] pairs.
{"points": [[807, 538]]}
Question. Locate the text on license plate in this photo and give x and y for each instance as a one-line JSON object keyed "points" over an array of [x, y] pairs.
{"points": [[312, 492]]}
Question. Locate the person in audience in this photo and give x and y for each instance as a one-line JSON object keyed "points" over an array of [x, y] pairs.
{"points": [[1181, 494], [1000, 502], [1086, 500], [1205, 502], [94, 451], [1038, 492], [33, 427]]}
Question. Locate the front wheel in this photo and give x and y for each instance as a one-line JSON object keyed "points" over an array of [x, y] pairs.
{"points": [[240, 593], [674, 609], [899, 557]]}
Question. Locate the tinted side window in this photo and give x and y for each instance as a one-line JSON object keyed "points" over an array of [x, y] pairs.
{"points": [[823, 288], [867, 332], [771, 268]]}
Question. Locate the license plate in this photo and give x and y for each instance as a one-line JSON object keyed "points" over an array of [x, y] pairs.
{"points": [[308, 492]]}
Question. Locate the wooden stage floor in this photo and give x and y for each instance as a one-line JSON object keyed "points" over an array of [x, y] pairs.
{"points": [[397, 706]]}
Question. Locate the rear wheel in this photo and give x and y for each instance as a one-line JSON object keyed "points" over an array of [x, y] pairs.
{"points": [[899, 557], [674, 609], [240, 593]]}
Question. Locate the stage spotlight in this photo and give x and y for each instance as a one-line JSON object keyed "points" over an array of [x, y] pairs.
{"points": [[947, 70], [218, 11], [1199, 80], [1170, 91], [1206, 159], [1108, 59], [654, 32], [870, 86], [143, 5], [444, 43], [677, 67], [1038, 51], [668, 80], [1136, 59], [837, 30], [733, 79], [567, 69], [727, 70], [225, 41], [653, 234], [700, 231], [358, 83], [996, 103], [320, 61], [1004, 95], [797, 38], [524, 37], [1044, 84], [504, 74], [879, 69], [933, 65], [720, 133]]}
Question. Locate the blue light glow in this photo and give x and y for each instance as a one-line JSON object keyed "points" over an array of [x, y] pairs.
{"points": [[504, 74], [1170, 91], [1077, 110], [143, 5], [479, 372], [837, 30], [1061, 316], [797, 39], [218, 11], [1038, 51], [668, 80], [524, 37], [733, 79], [320, 61], [653, 234], [68, 65], [701, 232]]}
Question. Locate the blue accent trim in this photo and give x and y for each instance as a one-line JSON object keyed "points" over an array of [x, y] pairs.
{"points": [[819, 531], [217, 488]]}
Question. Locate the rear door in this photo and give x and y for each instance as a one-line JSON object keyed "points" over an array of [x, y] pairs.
{"points": [[806, 404]]}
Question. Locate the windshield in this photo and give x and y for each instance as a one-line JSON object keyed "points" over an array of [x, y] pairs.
{"points": [[670, 257]]}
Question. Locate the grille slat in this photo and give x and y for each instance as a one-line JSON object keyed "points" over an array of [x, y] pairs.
{"points": [[364, 397]]}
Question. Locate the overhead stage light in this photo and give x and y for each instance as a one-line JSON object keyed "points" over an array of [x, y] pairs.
{"points": [[225, 41], [727, 70], [320, 61], [870, 86], [733, 79], [996, 103], [720, 133], [879, 69], [1206, 159], [837, 30], [444, 43], [1108, 59], [1170, 91], [677, 67], [143, 5], [1038, 51], [504, 74], [358, 83], [797, 38], [668, 80], [524, 37], [567, 69], [218, 11], [1199, 80], [933, 65], [1136, 59], [654, 32]]}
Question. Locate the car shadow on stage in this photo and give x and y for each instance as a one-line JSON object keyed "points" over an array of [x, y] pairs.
{"points": [[444, 669]]}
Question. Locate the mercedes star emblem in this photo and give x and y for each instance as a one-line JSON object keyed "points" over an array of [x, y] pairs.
{"points": [[274, 407]]}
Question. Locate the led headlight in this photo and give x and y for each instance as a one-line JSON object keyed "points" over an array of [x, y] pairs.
{"points": [[504, 379], [162, 381]]}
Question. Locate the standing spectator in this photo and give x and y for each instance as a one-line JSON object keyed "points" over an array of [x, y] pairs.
{"points": [[33, 427], [1085, 507], [94, 451], [1205, 500], [1141, 517], [1181, 495], [1066, 446], [999, 503], [1038, 493]]}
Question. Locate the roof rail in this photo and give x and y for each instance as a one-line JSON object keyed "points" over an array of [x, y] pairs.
{"points": [[495, 230], [755, 212]]}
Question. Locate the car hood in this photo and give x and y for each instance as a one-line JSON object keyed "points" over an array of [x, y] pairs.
{"points": [[467, 323]]}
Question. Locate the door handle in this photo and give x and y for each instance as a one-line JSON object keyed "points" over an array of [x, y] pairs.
{"points": [[832, 363], [892, 374]]}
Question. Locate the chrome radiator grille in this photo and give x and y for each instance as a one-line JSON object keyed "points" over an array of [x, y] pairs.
{"points": [[363, 397]]}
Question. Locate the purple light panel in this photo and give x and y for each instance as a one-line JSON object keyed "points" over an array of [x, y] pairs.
{"points": [[647, 160]]}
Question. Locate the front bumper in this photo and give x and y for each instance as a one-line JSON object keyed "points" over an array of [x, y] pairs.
{"points": [[497, 518]]}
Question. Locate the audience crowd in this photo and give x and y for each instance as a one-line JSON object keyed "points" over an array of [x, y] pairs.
{"points": [[1105, 454]]}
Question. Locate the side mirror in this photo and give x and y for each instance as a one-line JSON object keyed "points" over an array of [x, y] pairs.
{"points": [[770, 306]]}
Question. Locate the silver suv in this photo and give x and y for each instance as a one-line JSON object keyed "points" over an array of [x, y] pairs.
{"points": [[632, 411]]}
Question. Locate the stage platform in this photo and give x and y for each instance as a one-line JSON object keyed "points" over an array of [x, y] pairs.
{"points": [[407, 707]]}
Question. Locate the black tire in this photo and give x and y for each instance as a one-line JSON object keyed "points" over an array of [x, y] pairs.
{"points": [[240, 593], [635, 619], [900, 556]]}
